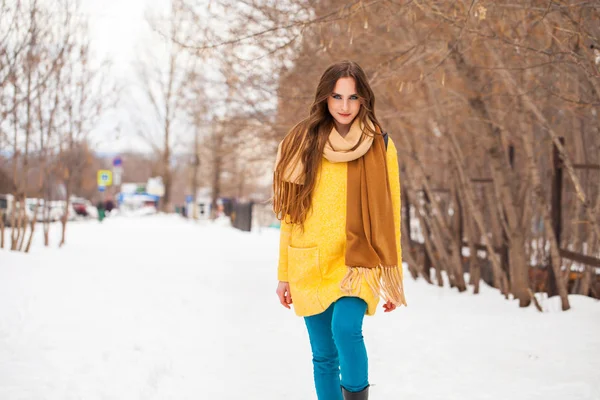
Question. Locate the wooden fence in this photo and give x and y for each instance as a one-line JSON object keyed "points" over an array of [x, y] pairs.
{"points": [[541, 279]]}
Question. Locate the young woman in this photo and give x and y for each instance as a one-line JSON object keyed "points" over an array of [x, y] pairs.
{"points": [[337, 194]]}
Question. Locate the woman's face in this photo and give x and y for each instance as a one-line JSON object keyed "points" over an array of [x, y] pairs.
{"points": [[344, 102]]}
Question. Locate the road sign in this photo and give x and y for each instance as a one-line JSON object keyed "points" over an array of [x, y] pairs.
{"points": [[104, 177], [101, 188], [117, 161]]}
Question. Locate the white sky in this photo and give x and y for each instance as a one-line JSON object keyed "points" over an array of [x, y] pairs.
{"points": [[118, 31], [115, 27]]}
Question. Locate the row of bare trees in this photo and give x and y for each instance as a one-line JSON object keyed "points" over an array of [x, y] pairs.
{"points": [[51, 95], [199, 106], [476, 95]]}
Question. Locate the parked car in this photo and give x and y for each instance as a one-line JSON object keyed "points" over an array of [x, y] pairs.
{"points": [[8, 206], [84, 207], [5, 201], [43, 213], [57, 209]]}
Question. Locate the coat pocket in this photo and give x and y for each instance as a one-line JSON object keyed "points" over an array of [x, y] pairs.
{"points": [[303, 265]]}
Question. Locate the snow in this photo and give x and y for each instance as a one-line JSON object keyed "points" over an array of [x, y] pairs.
{"points": [[157, 307]]}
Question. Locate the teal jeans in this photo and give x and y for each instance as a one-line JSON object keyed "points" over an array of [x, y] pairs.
{"points": [[338, 348]]}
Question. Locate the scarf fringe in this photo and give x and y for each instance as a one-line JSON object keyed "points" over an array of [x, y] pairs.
{"points": [[385, 282], [285, 194]]}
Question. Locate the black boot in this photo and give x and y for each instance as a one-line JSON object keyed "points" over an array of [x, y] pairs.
{"points": [[362, 395]]}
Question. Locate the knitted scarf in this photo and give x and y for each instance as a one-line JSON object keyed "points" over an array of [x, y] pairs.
{"points": [[371, 252]]}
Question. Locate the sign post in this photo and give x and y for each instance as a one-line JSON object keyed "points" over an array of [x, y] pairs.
{"points": [[104, 180], [117, 170]]}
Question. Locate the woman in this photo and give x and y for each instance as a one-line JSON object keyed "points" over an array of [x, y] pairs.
{"points": [[337, 194]]}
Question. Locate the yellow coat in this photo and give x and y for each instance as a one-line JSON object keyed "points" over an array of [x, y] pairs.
{"points": [[313, 262]]}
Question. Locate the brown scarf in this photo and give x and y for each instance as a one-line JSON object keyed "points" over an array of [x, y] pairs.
{"points": [[371, 252]]}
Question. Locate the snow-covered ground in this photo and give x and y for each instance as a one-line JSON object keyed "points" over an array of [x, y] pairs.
{"points": [[157, 307]]}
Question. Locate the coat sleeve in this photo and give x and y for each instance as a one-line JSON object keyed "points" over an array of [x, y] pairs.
{"points": [[394, 178], [284, 241]]}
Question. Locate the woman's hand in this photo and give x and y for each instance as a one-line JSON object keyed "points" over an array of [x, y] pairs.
{"points": [[283, 292], [389, 306]]}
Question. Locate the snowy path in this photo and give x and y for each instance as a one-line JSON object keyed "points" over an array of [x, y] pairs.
{"points": [[161, 308]]}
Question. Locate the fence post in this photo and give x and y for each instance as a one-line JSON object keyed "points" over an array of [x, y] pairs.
{"points": [[557, 179], [427, 261], [460, 226], [504, 257]]}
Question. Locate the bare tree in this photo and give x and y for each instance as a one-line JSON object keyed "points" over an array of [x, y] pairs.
{"points": [[86, 95], [163, 86], [33, 47]]}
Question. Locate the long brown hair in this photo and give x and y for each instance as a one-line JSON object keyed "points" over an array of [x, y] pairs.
{"points": [[308, 138]]}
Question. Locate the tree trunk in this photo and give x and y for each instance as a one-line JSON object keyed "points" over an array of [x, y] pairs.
{"points": [[544, 207], [166, 161], [21, 225], [414, 267], [216, 185], [441, 233], [13, 228], [589, 274], [519, 267], [428, 245], [518, 264], [65, 216], [32, 228], [586, 281], [16, 181], [168, 184], [531, 106], [46, 234], [498, 236], [500, 279], [196, 164], [2, 229], [46, 222], [474, 269], [217, 161], [576, 243]]}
